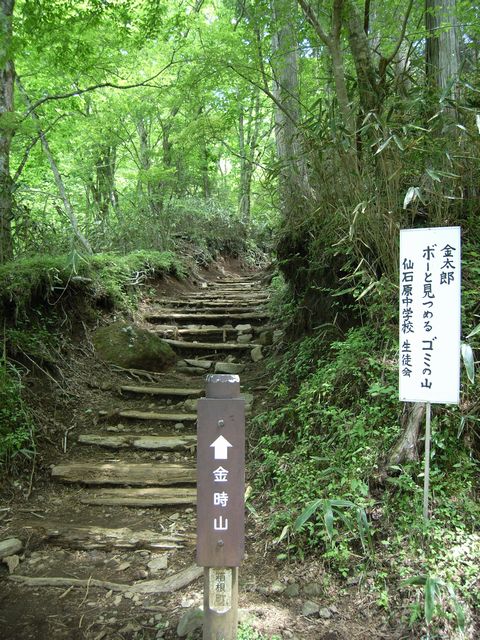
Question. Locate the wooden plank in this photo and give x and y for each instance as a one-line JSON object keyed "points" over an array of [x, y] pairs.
{"points": [[132, 414], [192, 317], [92, 537], [212, 346], [144, 497], [133, 441], [135, 474], [199, 309], [161, 391]]}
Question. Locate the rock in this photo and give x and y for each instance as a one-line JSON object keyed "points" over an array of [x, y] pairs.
{"points": [[310, 609], [353, 581], [277, 335], [131, 347], [158, 563], [123, 566], [325, 613], [191, 620], [190, 406], [229, 367], [12, 562], [313, 589], [276, 587], [292, 590], [178, 426], [199, 364], [265, 338], [248, 397], [256, 354], [244, 338], [10, 547], [244, 328]]}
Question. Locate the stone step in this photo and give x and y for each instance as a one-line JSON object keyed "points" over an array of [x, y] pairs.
{"points": [[199, 309], [161, 391], [161, 416], [211, 346], [149, 497], [135, 474], [134, 441]]}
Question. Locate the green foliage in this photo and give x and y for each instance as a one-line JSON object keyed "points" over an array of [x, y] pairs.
{"points": [[107, 277], [16, 424], [247, 632], [434, 587]]}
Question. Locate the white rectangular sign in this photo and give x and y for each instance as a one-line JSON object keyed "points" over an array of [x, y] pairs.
{"points": [[430, 312]]}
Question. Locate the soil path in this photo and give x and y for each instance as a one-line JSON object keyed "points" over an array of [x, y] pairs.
{"points": [[108, 540]]}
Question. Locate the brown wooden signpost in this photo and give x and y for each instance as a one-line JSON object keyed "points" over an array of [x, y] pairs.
{"points": [[220, 502]]}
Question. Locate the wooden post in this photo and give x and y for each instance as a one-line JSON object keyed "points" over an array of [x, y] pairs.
{"points": [[220, 502], [220, 605], [426, 477]]}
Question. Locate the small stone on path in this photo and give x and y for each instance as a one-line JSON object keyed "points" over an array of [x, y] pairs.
{"points": [[158, 563], [232, 368], [12, 562], [256, 354], [191, 620], [292, 590], [313, 589], [10, 547], [325, 613], [310, 609]]}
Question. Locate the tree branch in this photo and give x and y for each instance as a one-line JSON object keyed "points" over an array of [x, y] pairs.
{"points": [[402, 34], [101, 85], [312, 18]]}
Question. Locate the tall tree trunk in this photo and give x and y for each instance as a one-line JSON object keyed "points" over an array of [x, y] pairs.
{"points": [[294, 184], [248, 142], [7, 84], [442, 51], [56, 174]]}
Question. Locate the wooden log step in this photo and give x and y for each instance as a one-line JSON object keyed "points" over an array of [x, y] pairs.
{"points": [[211, 346], [150, 497], [187, 302], [161, 391], [92, 537], [133, 441], [215, 310], [132, 414], [192, 318], [135, 474], [166, 585]]}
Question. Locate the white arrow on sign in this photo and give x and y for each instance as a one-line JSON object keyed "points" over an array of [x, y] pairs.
{"points": [[221, 446]]}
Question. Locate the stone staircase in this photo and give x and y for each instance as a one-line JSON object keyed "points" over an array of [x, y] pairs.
{"points": [[129, 482]]}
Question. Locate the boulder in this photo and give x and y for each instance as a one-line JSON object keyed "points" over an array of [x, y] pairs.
{"points": [[131, 347], [229, 367], [10, 547]]}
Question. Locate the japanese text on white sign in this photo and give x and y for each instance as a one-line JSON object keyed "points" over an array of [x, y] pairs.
{"points": [[430, 290]]}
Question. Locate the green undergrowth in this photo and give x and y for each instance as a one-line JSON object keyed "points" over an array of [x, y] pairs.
{"points": [[321, 454], [106, 277], [41, 299]]}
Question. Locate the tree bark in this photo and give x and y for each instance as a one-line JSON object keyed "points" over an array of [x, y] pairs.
{"points": [[56, 174], [442, 50], [248, 141], [294, 183], [7, 84]]}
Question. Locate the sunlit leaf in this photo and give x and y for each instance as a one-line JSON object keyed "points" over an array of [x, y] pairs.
{"points": [[433, 175], [468, 360], [474, 332], [306, 513]]}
